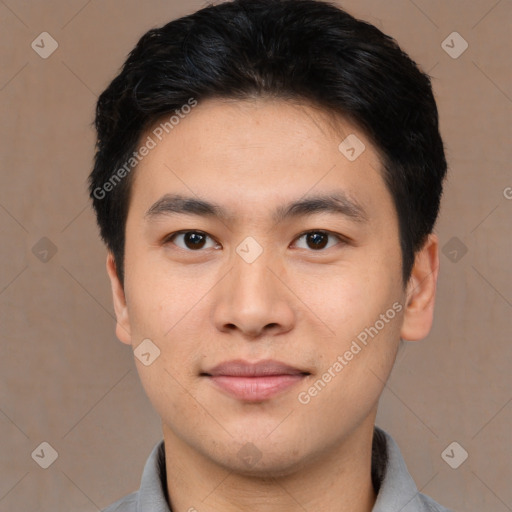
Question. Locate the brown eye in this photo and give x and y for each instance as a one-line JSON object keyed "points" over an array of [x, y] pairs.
{"points": [[318, 240], [191, 240]]}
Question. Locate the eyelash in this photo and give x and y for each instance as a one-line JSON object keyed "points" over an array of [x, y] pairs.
{"points": [[169, 238]]}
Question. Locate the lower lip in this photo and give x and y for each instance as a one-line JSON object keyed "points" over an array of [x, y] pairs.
{"points": [[253, 389]]}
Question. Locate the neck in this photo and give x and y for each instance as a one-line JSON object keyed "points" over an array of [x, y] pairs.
{"points": [[337, 480]]}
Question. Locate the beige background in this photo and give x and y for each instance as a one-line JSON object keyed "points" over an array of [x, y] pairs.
{"points": [[66, 380]]}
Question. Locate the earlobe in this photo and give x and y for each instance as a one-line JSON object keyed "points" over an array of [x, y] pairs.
{"points": [[421, 291], [123, 331]]}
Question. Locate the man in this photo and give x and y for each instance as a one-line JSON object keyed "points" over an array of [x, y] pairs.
{"points": [[267, 178]]}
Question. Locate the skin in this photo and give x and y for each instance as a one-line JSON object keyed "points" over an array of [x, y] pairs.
{"points": [[295, 303]]}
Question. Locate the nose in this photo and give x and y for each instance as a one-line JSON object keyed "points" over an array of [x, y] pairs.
{"points": [[254, 299]]}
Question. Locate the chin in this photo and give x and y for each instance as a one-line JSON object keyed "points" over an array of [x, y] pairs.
{"points": [[261, 459], [263, 469]]}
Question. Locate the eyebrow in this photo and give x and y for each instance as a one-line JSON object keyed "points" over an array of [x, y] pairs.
{"points": [[334, 203]]}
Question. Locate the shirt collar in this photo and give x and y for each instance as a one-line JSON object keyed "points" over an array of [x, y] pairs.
{"points": [[397, 492], [152, 495]]}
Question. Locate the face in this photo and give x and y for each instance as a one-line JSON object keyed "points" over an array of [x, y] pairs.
{"points": [[316, 286]]}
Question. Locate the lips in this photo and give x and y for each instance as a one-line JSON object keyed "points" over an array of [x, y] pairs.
{"points": [[241, 368], [254, 381]]}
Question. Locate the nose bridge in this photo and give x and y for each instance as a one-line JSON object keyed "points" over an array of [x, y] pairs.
{"points": [[252, 297], [251, 275]]}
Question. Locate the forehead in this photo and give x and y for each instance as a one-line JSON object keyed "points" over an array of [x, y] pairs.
{"points": [[252, 155]]}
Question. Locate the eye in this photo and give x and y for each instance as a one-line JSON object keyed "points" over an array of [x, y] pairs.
{"points": [[192, 240], [196, 240], [318, 239]]}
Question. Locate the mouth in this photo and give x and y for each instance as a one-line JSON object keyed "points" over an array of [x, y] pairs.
{"points": [[254, 382]]}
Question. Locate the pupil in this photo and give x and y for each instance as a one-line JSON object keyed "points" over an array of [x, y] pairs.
{"points": [[315, 239], [196, 239]]}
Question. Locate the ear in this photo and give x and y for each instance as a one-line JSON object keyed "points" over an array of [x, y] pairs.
{"points": [[123, 331], [421, 292]]}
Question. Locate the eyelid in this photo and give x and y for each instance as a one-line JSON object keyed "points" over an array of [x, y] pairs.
{"points": [[343, 239], [168, 238]]}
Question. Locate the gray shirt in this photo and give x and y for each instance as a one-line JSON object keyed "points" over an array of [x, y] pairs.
{"points": [[397, 491]]}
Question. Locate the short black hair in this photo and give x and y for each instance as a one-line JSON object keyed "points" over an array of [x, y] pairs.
{"points": [[300, 50]]}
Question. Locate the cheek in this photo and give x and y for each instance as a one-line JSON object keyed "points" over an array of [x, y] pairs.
{"points": [[361, 309], [158, 300], [348, 298]]}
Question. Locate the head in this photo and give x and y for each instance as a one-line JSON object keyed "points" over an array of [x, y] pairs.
{"points": [[216, 124]]}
